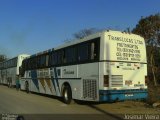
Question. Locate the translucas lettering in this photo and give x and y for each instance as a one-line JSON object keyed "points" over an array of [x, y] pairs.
{"points": [[126, 40], [127, 48]]}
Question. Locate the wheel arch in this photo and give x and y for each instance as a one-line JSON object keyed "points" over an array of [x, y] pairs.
{"points": [[65, 84]]}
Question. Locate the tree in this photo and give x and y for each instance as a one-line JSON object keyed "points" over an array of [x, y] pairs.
{"points": [[3, 58], [85, 32], [149, 28], [82, 33]]}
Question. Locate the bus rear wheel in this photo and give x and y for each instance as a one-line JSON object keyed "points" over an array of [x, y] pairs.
{"points": [[67, 94]]}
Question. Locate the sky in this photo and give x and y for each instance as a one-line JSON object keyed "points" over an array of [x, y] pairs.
{"points": [[32, 26]]}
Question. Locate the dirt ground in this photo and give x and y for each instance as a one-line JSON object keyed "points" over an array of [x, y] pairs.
{"points": [[129, 107], [50, 105]]}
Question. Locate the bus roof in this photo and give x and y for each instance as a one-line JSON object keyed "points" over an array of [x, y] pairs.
{"points": [[76, 41]]}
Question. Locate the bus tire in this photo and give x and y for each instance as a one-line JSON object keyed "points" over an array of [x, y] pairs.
{"points": [[67, 94]]}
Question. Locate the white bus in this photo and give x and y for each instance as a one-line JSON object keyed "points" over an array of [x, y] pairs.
{"points": [[9, 69], [105, 66]]}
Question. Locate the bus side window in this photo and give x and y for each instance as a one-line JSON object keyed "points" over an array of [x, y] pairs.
{"points": [[83, 52], [92, 50], [42, 61], [64, 56], [38, 61], [70, 55], [52, 58], [50, 63], [47, 60], [95, 50], [35, 62], [55, 58]]}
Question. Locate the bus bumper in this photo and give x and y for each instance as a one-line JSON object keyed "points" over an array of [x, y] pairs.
{"points": [[121, 95]]}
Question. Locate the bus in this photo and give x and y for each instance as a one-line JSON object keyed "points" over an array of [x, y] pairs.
{"points": [[9, 69], [104, 67]]}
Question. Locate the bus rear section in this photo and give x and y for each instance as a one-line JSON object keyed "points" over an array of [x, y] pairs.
{"points": [[123, 68], [9, 70]]}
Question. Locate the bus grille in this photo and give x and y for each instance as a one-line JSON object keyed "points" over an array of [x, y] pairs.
{"points": [[116, 80], [89, 89]]}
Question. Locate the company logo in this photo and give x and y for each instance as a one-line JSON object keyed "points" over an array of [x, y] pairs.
{"points": [[68, 72]]}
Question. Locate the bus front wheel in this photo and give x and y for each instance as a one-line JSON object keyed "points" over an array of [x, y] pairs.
{"points": [[67, 94]]}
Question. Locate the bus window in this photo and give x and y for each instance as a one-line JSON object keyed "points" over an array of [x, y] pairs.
{"points": [[64, 56], [38, 61], [50, 59], [47, 60], [34, 61], [70, 55], [92, 50], [43, 61], [54, 58], [83, 52], [59, 57]]}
